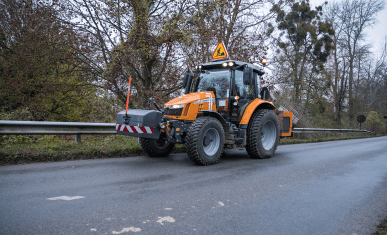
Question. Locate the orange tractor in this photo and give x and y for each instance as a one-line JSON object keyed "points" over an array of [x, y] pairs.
{"points": [[223, 105]]}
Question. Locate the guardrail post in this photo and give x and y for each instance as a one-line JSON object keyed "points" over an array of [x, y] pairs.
{"points": [[78, 138], [310, 136]]}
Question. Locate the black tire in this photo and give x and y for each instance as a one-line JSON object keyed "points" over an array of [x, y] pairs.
{"points": [[263, 134], [205, 141], [156, 148]]}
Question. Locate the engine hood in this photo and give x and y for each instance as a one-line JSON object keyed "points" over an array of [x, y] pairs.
{"points": [[188, 98]]}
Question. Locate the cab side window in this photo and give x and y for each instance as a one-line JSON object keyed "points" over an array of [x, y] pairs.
{"points": [[243, 91], [257, 78]]}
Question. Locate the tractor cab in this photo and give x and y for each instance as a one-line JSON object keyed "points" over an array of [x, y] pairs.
{"points": [[234, 84]]}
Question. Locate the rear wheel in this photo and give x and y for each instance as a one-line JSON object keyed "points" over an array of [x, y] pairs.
{"points": [[262, 134], [205, 141], [156, 148]]}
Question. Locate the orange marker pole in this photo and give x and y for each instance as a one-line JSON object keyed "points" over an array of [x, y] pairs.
{"points": [[127, 100]]}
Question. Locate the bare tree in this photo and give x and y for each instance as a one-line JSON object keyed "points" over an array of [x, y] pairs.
{"points": [[337, 69], [356, 16], [372, 87], [135, 38], [240, 24]]}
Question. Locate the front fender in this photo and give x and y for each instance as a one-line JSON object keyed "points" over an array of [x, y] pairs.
{"points": [[213, 114]]}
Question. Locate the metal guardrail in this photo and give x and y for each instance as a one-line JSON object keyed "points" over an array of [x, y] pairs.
{"points": [[311, 131], [56, 128], [85, 128], [322, 130]]}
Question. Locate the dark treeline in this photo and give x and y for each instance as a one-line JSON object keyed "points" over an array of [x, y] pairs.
{"points": [[71, 60]]}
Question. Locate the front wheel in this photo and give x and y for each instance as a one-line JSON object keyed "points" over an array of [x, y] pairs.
{"points": [[156, 148], [205, 141], [262, 134]]}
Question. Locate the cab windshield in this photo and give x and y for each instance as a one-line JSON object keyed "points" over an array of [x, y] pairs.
{"points": [[218, 79]]}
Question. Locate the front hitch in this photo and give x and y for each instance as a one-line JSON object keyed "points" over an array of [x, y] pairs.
{"points": [[170, 138]]}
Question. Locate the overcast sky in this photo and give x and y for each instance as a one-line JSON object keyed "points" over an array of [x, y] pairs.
{"points": [[375, 35]]}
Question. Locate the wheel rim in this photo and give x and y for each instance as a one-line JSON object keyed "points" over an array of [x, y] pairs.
{"points": [[268, 135], [161, 143], [211, 141]]}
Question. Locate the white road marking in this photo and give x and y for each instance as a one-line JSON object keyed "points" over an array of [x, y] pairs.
{"points": [[165, 219], [65, 198], [168, 209], [125, 230]]}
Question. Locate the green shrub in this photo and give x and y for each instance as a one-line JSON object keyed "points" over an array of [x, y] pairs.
{"points": [[375, 123]]}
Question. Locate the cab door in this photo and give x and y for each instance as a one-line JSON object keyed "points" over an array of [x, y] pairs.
{"points": [[246, 94]]}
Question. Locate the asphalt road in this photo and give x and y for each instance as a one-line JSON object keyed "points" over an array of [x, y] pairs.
{"points": [[335, 187]]}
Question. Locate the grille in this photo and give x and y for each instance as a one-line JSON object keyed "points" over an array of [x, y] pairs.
{"points": [[173, 112], [186, 109]]}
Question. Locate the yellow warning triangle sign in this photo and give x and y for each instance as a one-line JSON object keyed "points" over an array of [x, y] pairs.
{"points": [[220, 52]]}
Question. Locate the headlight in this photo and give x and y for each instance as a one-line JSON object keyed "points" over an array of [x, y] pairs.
{"points": [[177, 106], [229, 64], [204, 101]]}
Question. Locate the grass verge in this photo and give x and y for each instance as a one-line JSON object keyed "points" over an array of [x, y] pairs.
{"points": [[62, 148], [382, 228], [322, 139]]}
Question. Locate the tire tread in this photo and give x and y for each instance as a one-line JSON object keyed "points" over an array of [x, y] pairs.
{"points": [[192, 138], [252, 147], [153, 151]]}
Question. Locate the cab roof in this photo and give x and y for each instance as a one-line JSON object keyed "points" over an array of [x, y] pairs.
{"points": [[218, 63]]}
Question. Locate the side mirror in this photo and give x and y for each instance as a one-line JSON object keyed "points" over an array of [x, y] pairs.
{"points": [[265, 93], [151, 101], [247, 75]]}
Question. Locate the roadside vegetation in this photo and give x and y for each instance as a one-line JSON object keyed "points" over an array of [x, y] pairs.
{"points": [[382, 228], [28, 149], [70, 61]]}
